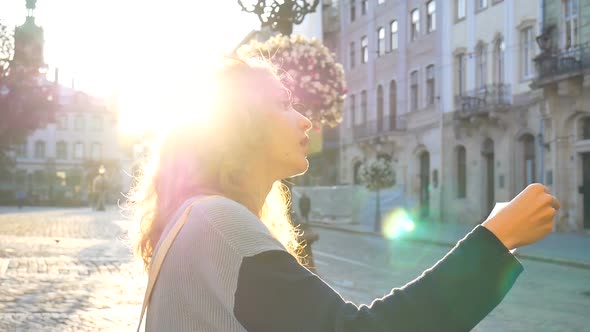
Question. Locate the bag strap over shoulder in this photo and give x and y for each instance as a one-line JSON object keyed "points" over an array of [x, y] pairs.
{"points": [[159, 256]]}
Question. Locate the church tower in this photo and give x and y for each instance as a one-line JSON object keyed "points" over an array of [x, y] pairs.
{"points": [[28, 42]]}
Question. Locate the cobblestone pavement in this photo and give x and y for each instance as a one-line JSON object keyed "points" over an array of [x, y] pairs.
{"points": [[546, 297], [67, 270], [71, 270]]}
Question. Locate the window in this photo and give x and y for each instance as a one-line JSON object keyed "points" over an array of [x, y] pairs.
{"points": [[61, 150], [415, 21], [21, 177], [527, 39], [380, 41], [39, 149], [430, 88], [460, 74], [528, 144], [352, 110], [364, 106], [364, 6], [379, 108], [364, 50], [97, 122], [481, 4], [392, 105], [352, 55], [461, 172], [461, 9], [570, 21], [499, 61], [431, 16], [79, 151], [79, 122], [379, 2], [352, 10], [414, 90], [62, 122], [393, 35], [21, 150], [586, 128], [96, 151], [480, 70], [39, 178]]}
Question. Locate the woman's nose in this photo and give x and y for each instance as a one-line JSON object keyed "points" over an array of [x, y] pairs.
{"points": [[304, 122]]}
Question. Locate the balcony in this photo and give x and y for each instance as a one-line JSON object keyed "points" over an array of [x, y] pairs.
{"points": [[389, 125], [483, 100], [561, 64]]}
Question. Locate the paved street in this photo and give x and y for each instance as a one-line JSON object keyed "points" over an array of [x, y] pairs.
{"points": [[71, 270]]}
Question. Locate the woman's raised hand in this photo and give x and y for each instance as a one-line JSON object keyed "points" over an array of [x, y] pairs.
{"points": [[528, 217]]}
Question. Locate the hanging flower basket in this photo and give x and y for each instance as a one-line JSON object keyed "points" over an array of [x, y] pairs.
{"points": [[310, 71], [377, 174]]}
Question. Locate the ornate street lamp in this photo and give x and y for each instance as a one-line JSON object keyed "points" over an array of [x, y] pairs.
{"points": [[280, 15]]}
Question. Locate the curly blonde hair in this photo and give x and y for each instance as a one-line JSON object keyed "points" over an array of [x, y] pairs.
{"points": [[210, 157]]}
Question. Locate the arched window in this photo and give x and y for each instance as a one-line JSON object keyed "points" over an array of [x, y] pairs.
{"points": [[79, 150], [61, 150], [480, 70], [79, 122], [393, 36], [96, 151], [585, 124], [39, 149], [414, 90], [430, 85], [392, 105], [364, 107], [461, 171], [380, 41], [499, 61], [356, 175], [379, 108], [352, 111], [415, 24], [529, 165]]}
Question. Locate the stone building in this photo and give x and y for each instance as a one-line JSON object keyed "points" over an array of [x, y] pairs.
{"points": [[55, 164], [564, 82], [391, 54], [492, 121]]}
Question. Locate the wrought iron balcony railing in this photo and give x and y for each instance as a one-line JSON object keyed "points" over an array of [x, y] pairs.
{"points": [[572, 60], [484, 98], [388, 125]]}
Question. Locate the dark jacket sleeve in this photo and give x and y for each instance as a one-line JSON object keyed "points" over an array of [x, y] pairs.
{"points": [[274, 293]]}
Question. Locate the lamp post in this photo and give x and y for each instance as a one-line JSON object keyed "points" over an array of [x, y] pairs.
{"points": [[280, 15]]}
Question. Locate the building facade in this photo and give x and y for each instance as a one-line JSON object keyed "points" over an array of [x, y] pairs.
{"points": [[492, 120], [391, 54], [56, 164], [564, 82], [467, 104]]}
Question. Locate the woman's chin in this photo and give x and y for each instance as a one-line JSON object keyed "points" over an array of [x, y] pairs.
{"points": [[300, 169]]}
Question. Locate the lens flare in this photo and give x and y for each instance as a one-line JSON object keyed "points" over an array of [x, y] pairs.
{"points": [[397, 223]]}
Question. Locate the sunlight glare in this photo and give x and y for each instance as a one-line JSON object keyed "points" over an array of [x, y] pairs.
{"points": [[396, 223]]}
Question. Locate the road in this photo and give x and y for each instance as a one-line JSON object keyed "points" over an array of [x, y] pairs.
{"points": [[71, 270], [546, 297]]}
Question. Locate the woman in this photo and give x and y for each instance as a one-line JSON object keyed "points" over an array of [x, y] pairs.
{"points": [[234, 265]]}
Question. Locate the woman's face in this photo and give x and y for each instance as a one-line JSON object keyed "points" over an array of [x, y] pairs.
{"points": [[285, 132]]}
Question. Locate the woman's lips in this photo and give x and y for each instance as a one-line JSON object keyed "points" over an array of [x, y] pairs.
{"points": [[304, 142]]}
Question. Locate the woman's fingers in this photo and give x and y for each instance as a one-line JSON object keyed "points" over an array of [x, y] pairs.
{"points": [[556, 204]]}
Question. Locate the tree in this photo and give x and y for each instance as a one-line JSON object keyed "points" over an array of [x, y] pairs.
{"points": [[376, 175], [26, 98], [310, 72]]}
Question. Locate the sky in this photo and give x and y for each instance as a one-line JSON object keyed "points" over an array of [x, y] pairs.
{"points": [[146, 53]]}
